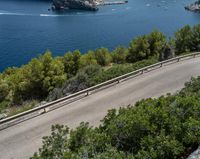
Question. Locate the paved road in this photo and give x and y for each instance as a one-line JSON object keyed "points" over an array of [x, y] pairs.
{"points": [[22, 140]]}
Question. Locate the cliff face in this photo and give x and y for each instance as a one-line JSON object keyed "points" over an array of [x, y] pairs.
{"points": [[74, 4], [194, 7]]}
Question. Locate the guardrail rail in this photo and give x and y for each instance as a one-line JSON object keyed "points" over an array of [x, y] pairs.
{"points": [[9, 121]]}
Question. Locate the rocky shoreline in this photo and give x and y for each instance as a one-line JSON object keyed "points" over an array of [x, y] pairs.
{"points": [[90, 5], [195, 7], [74, 4]]}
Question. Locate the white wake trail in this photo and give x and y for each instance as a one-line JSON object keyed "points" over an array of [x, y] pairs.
{"points": [[14, 14]]}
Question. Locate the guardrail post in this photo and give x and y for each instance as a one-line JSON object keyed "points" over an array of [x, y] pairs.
{"points": [[87, 94], [142, 71], [194, 56], [42, 111], [178, 59], [161, 64], [118, 81]]}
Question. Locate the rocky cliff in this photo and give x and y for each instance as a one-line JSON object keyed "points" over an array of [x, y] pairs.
{"points": [[195, 7], [74, 4]]}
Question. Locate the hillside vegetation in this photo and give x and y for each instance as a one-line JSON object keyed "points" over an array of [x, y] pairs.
{"points": [[163, 128], [47, 78]]}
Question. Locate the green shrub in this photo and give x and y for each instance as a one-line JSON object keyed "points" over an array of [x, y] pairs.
{"points": [[103, 56], [118, 70], [77, 83], [146, 46], [139, 49], [71, 61], [119, 55], [183, 38], [4, 90], [157, 41], [88, 59], [154, 128], [195, 40], [192, 88]]}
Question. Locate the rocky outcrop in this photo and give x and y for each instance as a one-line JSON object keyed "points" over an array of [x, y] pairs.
{"points": [[195, 155], [195, 7], [74, 4]]}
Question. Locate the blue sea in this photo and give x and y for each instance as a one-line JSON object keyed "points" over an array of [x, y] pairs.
{"points": [[27, 28]]}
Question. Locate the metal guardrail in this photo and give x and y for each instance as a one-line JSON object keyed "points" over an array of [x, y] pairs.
{"points": [[44, 108]]}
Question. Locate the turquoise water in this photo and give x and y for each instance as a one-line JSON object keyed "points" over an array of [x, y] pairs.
{"points": [[27, 28]]}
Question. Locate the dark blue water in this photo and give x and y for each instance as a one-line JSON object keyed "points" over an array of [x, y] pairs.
{"points": [[27, 28]]}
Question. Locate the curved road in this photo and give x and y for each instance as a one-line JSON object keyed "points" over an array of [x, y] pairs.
{"points": [[22, 140]]}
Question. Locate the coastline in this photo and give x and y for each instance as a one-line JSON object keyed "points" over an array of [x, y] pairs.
{"points": [[116, 2], [91, 5]]}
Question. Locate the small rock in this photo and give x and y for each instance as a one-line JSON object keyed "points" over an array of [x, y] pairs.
{"points": [[195, 154], [195, 7], [2, 116]]}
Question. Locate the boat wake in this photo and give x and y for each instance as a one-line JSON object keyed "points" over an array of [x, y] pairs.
{"points": [[50, 15], [14, 14], [41, 15], [64, 15], [6, 13]]}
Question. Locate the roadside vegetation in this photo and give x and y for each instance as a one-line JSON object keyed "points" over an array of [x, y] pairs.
{"points": [[46, 78], [163, 128]]}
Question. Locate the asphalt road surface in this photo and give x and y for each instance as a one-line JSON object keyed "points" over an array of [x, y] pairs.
{"points": [[22, 140]]}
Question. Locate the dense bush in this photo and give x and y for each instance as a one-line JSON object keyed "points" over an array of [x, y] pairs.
{"points": [[163, 128], [4, 90], [183, 39], [118, 70], [146, 46], [187, 39], [32, 81], [94, 74], [71, 62], [139, 49], [79, 82], [157, 41], [103, 56], [195, 40], [192, 88], [167, 52], [119, 55]]}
